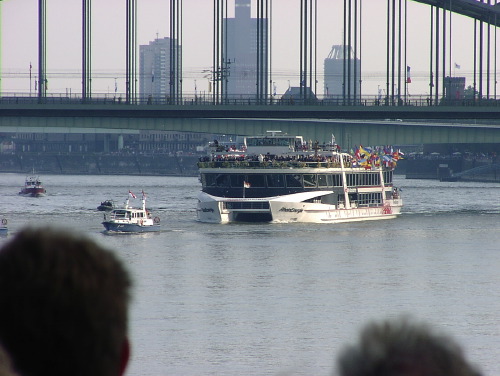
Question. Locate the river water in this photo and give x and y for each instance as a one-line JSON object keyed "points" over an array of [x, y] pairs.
{"points": [[282, 299]]}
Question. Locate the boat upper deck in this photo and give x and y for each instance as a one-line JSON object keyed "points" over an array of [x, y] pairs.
{"points": [[285, 152]]}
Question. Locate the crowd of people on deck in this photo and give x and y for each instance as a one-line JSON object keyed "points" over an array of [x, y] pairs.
{"points": [[365, 157], [270, 158], [64, 308]]}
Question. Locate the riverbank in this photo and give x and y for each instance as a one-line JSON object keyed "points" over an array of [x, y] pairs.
{"points": [[99, 164], [186, 165]]}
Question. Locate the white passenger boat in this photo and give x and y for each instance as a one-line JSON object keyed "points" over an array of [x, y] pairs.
{"points": [[280, 178], [130, 219]]}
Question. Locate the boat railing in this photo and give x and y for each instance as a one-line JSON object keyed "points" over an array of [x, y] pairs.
{"points": [[268, 164], [283, 164]]}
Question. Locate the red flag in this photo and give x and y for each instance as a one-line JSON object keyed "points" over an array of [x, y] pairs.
{"points": [[131, 194]]}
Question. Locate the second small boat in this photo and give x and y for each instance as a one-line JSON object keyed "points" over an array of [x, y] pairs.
{"points": [[33, 187], [106, 205], [130, 219]]}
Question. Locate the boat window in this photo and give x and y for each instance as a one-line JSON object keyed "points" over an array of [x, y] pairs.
{"points": [[309, 181], [222, 180], [351, 180], [369, 199], [120, 213], [388, 177], [367, 179], [275, 180], [208, 180], [337, 180], [237, 180], [293, 181], [323, 180], [257, 180], [215, 180], [347, 179], [264, 141]]}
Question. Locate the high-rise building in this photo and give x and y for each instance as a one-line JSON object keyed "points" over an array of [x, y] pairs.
{"points": [[336, 70], [154, 69], [241, 57]]}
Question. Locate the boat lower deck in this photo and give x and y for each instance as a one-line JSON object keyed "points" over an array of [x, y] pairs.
{"points": [[292, 208]]}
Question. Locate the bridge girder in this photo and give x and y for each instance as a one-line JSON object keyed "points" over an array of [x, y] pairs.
{"points": [[471, 8], [348, 132]]}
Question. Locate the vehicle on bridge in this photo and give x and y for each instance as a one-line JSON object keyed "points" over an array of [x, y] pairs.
{"points": [[281, 178]]}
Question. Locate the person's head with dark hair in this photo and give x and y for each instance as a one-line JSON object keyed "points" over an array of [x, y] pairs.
{"points": [[64, 305], [403, 347]]}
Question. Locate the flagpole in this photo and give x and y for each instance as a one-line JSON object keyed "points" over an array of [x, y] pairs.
{"points": [[245, 185]]}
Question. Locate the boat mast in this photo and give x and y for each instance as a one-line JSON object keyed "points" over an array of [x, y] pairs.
{"points": [[143, 200], [347, 203], [382, 183]]}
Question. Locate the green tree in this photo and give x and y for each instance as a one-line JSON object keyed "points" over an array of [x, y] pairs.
{"points": [[470, 93]]}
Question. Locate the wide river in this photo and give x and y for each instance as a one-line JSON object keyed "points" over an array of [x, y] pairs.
{"points": [[282, 299]]}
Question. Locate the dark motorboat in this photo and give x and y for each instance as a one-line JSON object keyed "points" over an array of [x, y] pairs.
{"points": [[106, 205]]}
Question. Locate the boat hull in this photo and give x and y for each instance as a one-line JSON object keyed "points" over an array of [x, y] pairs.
{"points": [[105, 208], [129, 227], [33, 192], [283, 209]]}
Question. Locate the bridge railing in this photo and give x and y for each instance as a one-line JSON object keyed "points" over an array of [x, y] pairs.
{"points": [[238, 100]]}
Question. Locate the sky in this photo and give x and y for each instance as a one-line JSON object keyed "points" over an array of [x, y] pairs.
{"points": [[19, 43]]}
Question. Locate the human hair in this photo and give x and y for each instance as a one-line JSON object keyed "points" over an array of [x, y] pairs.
{"points": [[401, 347], [64, 305]]}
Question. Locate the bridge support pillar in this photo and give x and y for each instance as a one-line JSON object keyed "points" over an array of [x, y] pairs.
{"points": [[106, 142], [120, 142], [42, 49], [131, 50], [86, 53]]}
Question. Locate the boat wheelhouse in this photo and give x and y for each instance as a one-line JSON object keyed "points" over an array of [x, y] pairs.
{"points": [[281, 178]]}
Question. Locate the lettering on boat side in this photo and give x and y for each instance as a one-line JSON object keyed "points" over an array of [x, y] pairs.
{"points": [[207, 210], [291, 210]]}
